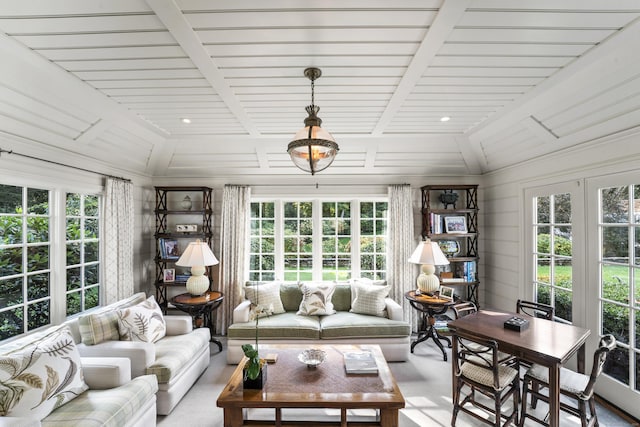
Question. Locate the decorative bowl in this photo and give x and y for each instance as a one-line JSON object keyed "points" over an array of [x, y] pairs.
{"points": [[312, 357]]}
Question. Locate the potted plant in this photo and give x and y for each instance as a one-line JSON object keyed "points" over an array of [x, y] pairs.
{"points": [[255, 369]]}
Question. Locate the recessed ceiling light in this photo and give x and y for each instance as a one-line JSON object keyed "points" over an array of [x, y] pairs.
{"points": [[445, 119], [185, 120]]}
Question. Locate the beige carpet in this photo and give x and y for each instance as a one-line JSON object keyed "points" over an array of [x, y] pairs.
{"points": [[425, 382]]}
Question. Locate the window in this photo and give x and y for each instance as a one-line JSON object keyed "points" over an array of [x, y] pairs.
{"points": [[552, 255], [25, 251], [317, 240], [83, 252]]}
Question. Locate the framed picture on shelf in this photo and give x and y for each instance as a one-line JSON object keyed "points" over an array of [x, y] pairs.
{"points": [[169, 249], [446, 293], [455, 224], [169, 275]]}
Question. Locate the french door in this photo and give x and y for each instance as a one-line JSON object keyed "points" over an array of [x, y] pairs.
{"points": [[614, 303]]}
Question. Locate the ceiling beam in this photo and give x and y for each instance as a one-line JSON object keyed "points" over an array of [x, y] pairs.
{"points": [[171, 16], [444, 22]]}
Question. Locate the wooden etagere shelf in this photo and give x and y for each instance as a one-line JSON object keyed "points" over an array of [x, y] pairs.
{"points": [[459, 201], [169, 212]]}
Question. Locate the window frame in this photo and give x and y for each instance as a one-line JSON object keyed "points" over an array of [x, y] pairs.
{"points": [[317, 232]]}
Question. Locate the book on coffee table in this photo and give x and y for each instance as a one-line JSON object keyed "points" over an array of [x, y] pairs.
{"points": [[360, 362]]}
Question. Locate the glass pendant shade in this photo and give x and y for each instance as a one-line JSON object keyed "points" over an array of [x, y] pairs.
{"points": [[313, 149]]}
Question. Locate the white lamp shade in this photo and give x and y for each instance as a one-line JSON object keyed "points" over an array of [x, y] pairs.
{"points": [[428, 252], [198, 253]]}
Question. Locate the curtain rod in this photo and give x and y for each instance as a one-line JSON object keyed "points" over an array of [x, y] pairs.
{"points": [[62, 164]]}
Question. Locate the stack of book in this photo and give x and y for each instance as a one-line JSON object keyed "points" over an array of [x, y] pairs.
{"points": [[360, 362]]}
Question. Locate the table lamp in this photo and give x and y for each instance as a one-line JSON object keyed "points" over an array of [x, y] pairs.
{"points": [[198, 255], [428, 254]]}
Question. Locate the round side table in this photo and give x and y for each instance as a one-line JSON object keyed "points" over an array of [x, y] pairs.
{"points": [[429, 307], [200, 308]]}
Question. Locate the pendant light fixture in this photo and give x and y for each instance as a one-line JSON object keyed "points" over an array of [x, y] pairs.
{"points": [[313, 149]]}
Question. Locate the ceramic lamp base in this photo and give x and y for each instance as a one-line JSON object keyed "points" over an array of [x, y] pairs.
{"points": [[427, 281], [198, 283]]}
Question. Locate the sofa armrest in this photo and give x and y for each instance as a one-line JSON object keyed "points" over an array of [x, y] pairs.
{"points": [[394, 310], [241, 312], [178, 325], [141, 354], [101, 373], [19, 422]]}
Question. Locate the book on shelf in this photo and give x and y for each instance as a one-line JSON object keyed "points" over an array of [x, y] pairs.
{"points": [[451, 279], [360, 362]]}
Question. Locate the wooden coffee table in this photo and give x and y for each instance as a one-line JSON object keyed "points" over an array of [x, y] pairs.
{"points": [[290, 384]]}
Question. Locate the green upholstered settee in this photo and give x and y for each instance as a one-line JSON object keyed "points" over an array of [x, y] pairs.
{"points": [[387, 328]]}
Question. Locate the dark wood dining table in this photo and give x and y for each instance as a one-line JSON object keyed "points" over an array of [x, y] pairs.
{"points": [[544, 342]]}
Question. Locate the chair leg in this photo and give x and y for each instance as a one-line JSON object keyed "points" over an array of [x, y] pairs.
{"points": [[523, 406], [498, 408], [592, 409]]}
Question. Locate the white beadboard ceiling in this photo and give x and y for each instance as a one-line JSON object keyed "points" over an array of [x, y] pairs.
{"points": [[111, 81]]}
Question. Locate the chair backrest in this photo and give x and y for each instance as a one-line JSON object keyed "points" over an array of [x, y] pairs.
{"points": [[605, 346], [477, 351], [464, 308], [535, 309]]}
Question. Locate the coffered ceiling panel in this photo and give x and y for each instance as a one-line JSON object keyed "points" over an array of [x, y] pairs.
{"points": [[202, 88]]}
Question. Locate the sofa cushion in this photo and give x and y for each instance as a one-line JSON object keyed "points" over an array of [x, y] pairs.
{"points": [[264, 297], [342, 297], [41, 376], [102, 325], [285, 325], [174, 352], [316, 299], [291, 296], [108, 408], [142, 322], [369, 299], [352, 325]]}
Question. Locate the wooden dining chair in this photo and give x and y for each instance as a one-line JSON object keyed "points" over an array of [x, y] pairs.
{"points": [[535, 309], [476, 365], [578, 387]]}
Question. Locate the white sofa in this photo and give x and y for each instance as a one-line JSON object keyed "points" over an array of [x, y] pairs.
{"points": [[177, 360], [113, 398], [389, 331]]}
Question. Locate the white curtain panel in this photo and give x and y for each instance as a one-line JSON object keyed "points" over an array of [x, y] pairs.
{"points": [[234, 228], [118, 240], [401, 274]]}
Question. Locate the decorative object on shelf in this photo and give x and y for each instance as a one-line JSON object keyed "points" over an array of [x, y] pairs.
{"points": [[187, 228], [312, 357], [198, 255], [313, 149], [449, 247], [455, 224], [186, 203], [448, 198], [169, 249], [428, 254], [169, 275]]}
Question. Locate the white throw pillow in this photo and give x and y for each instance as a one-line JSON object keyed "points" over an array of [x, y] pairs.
{"points": [[142, 322], [265, 298], [369, 299], [316, 299], [41, 377]]}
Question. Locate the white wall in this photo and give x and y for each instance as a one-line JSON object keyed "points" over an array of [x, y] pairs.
{"points": [[503, 201]]}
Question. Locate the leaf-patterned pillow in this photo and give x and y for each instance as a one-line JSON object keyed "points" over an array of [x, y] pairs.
{"points": [[142, 322], [41, 377], [316, 299]]}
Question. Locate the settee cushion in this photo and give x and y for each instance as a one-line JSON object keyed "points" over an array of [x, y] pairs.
{"points": [[176, 351], [102, 325], [264, 297], [108, 408], [291, 296], [282, 326], [351, 325], [369, 299], [41, 376], [142, 322], [342, 297], [316, 299]]}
